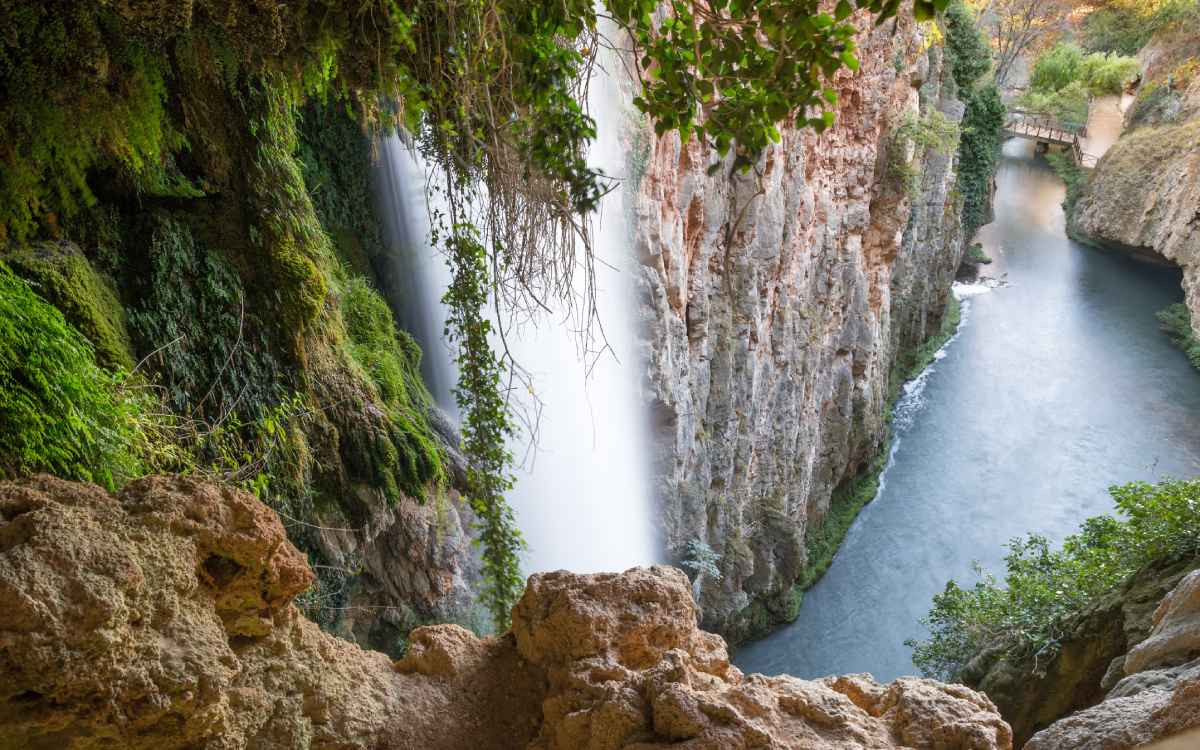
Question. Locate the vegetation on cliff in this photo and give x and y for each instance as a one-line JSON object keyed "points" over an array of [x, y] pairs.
{"points": [[1123, 27], [61, 412], [971, 62], [1044, 586], [1176, 322]]}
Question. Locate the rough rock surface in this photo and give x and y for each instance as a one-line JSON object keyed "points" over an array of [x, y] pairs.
{"points": [[162, 618], [776, 304], [1160, 695], [1032, 694], [1144, 195]]}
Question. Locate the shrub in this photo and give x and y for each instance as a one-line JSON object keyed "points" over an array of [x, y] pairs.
{"points": [[978, 152], [1066, 71], [970, 59], [934, 132], [59, 411], [975, 254], [1043, 587], [1176, 321]]}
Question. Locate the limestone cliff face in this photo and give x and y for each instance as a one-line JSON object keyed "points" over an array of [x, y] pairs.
{"points": [[777, 303], [1144, 195], [162, 618]]}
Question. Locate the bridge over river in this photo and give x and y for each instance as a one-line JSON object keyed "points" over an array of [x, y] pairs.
{"points": [[1048, 130]]}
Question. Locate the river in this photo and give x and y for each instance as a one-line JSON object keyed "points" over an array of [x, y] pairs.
{"points": [[1057, 386]]}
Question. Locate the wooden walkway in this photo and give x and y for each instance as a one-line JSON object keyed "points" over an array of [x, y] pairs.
{"points": [[1043, 128]]}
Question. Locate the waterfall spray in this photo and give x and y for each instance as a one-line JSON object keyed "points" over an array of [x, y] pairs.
{"points": [[583, 491]]}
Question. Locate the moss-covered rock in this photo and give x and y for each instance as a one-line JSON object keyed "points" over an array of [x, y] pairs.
{"points": [[62, 275], [59, 412]]}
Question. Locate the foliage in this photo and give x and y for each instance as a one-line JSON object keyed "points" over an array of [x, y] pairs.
{"points": [[1043, 587], [982, 128], [701, 559], [933, 133], [1176, 322], [391, 358], [336, 161], [62, 275], [486, 427], [1018, 27], [1123, 27], [975, 254], [1072, 174], [60, 412], [191, 318], [745, 66], [1065, 64], [1068, 105], [967, 49]]}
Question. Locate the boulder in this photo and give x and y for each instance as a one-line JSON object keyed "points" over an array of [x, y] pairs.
{"points": [[162, 617]]}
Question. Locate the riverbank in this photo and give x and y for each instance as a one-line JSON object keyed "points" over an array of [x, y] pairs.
{"points": [[1057, 387]]}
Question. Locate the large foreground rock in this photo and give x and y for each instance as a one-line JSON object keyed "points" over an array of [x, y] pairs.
{"points": [[162, 617]]}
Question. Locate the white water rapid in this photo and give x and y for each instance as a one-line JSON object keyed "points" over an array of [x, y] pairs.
{"points": [[583, 493]]}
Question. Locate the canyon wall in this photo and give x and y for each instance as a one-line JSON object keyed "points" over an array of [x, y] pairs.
{"points": [[1144, 195], [777, 305], [162, 617]]}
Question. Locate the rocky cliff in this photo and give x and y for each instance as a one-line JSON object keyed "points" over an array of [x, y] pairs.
{"points": [[162, 617], [1033, 692], [778, 303], [1158, 693], [1144, 195]]}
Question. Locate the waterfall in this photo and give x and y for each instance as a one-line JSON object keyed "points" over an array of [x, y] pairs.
{"points": [[583, 493]]}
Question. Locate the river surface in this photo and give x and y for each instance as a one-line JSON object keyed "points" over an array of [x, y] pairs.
{"points": [[1057, 386]]}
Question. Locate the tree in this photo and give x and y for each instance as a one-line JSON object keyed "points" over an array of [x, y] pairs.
{"points": [[1020, 26]]}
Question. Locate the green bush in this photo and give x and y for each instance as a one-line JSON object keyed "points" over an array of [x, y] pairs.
{"points": [[59, 412], [967, 50], [1042, 586], [1069, 105], [1064, 78], [1072, 174], [1176, 321], [935, 132], [978, 152]]}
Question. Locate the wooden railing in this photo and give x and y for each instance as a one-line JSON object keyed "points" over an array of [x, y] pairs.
{"points": [[1045, 128]]}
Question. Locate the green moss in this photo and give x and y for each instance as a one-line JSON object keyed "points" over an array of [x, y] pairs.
{"points": [[1176, 322], [406, 457], [63, 276], [59, 412]]}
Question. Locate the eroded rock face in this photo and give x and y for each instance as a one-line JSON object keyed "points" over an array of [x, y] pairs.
{"points": [[162, 618], [1160, 695], [1144, 195], [1033, 692], [776, 303]]}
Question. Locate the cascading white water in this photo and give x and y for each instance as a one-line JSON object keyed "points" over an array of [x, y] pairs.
{"points": [[583, 493]]}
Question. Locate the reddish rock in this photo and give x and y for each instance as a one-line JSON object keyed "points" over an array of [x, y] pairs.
{"points": [[162, 617]]}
